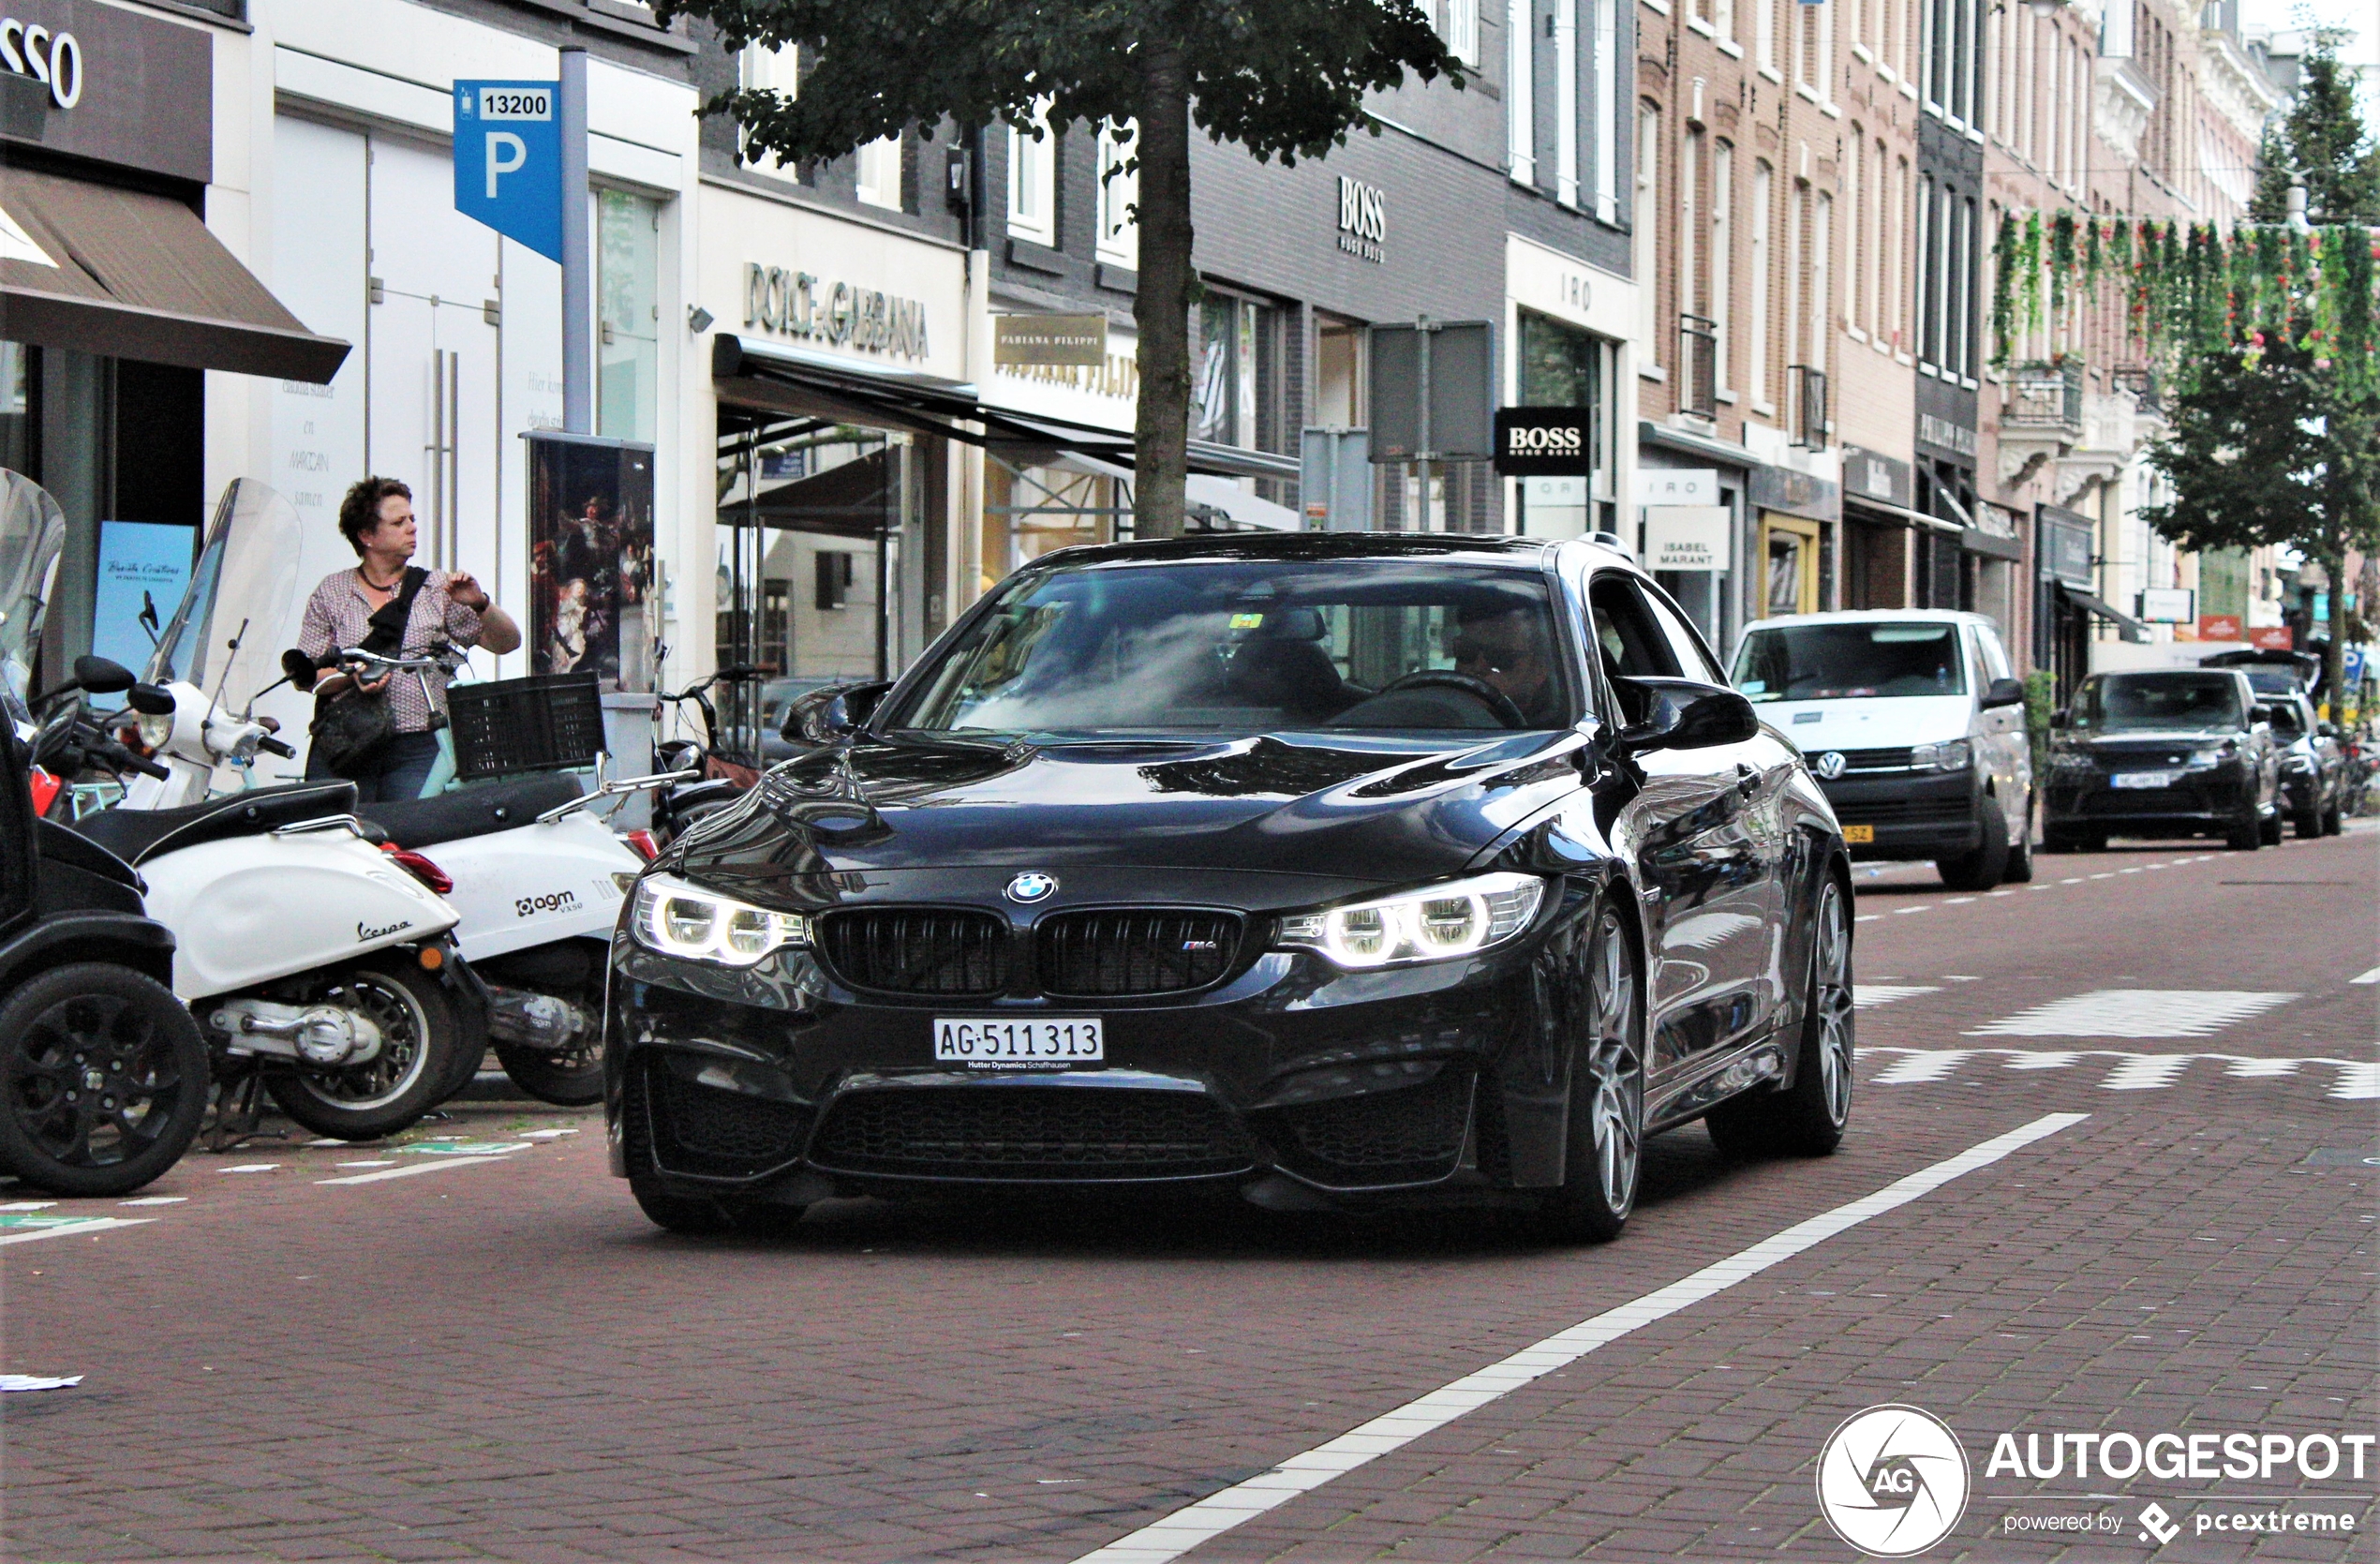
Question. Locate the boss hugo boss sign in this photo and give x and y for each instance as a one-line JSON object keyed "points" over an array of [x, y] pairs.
{"points": [[1544, 443]]}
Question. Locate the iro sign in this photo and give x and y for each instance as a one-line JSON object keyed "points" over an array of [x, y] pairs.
{"points": [[1545, 442], [1363, 219], [53, 59]]}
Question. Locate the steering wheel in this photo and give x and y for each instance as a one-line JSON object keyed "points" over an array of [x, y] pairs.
{"points": [[1498, 703]]}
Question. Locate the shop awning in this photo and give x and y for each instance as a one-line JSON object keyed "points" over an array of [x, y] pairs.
{"points": [[799, 380], [1898, 515], [129, 274], [1248, 513], [2133, 628]]}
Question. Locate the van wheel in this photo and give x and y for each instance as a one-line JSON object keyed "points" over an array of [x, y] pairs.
{"points": [[1982, 869], [2269, 829], [2020, 853]]}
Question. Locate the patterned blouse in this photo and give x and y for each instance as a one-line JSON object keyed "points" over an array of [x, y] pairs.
{"points": [[339, 614]]}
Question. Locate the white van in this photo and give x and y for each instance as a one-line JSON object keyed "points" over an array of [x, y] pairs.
{"points": [[1914, 724]]}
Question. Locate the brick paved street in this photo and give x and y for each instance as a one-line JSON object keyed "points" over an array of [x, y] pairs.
{"points": [[295, 1357]]}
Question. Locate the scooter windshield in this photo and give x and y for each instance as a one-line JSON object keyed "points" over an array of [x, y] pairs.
{"points": [[31, 532], [243, 590]]}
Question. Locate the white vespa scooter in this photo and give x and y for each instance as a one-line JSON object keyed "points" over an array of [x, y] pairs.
{"points": [[319, 967]]}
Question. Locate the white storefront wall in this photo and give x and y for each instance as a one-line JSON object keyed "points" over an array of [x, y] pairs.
{"points": [[1566, 288], [334, 182]]}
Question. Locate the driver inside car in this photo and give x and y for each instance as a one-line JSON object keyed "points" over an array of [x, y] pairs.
{"points": [[1506, 649]]}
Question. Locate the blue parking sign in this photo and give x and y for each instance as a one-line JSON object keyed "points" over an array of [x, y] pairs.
{"points": [[507, 159]]}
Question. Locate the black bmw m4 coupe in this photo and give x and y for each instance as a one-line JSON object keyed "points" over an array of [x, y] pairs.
{"points": [[1336, 870]]}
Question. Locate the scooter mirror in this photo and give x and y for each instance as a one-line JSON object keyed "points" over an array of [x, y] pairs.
{"points": [[299, 667], [150, 701], [103, 675]]}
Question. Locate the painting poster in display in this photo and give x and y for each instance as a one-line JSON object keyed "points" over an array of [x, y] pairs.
{"points": [[591, 543]]}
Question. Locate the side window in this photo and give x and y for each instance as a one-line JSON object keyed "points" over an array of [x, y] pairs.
{"points": [[1994, 655], [1686, 647], [1629, 640]]}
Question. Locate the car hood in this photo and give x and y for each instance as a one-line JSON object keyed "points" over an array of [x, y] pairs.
{"points": [[1883, 722], [1357, 810]]}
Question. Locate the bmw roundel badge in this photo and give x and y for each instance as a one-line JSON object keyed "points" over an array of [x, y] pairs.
{"points": [[1032, 887]]}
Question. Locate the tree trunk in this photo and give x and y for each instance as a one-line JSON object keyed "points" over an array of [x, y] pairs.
{"points": [[2334, 655], [1161, 432]]}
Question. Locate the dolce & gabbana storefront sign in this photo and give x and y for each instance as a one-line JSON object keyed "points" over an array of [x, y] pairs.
{"points": [[799, 305]]}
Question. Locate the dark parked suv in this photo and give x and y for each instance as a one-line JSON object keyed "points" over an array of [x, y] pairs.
{"points": [[2179, 751]]}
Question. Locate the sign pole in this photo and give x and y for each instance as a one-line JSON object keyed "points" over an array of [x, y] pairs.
{"points": [[1422, 456], [578, 281]]}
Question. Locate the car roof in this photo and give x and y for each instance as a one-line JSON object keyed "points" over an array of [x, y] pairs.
{"points": [[1871, 616], [1290, 548]]}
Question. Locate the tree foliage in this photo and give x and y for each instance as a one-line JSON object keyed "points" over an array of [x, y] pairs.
{"points": [[1287, 78]]}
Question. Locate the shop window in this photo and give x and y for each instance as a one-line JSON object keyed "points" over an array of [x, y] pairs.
{"points": [[1237, 371], [1119, 196], [776, 623], [1789, 549], [1562, 366], [16, 404], [628, 307], [1033, 181], [834, 579]]}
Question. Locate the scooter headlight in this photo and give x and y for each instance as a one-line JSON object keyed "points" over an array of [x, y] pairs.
{"points": [[157, 729], [1457, 919], [678, 919]]}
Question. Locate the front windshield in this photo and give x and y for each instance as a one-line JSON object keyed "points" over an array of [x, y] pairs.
{"points": [[31, 532], [2272, 678], [2159, 703], [246, 588], [1242, 646], [1850, 661]]}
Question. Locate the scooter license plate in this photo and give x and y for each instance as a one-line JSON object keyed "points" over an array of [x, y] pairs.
{"points": [[1016, 1045]]}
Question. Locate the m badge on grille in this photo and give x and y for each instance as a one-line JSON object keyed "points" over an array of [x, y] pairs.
{"points": [[1032, 886]]}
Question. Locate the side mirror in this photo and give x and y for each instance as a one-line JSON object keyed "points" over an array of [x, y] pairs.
{"points": [[2062, 718], [298, 668], [1684, 714], [2260, 713], [838, 711], [150, 701], [2004, 691], [103, 675], [2327, 730]]}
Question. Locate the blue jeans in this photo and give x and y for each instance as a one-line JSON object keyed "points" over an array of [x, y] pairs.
{"points": [[403, 767]]}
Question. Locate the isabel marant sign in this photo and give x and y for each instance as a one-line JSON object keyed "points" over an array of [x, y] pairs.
{"points": [[795, 304]]}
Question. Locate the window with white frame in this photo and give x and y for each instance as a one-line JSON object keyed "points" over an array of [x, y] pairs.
{"points": [[1648, 217], [1565, 101], [1689, 219], [1722, 237], [1607, 111], [1460, 28], [1033, 181], [877, 171], [759, 69], [1119, 196], [1756, 340], [1852, 212], [1520, 93], [1765, 33], [1814, 51]]}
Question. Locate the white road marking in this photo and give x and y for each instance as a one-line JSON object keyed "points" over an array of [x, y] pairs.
{"points": [[2355, 1079], [2134, 1013], [2372, 977], [1867, 917], [1904, 912], [1176, 1534], [250, 1168], [75, 1229], [1867, 996], [28, 1205], [1957, 901], [155, 1200], [2072, 880], [416, 1169]]}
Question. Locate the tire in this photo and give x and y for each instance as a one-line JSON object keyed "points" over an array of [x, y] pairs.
{"points": [[2309, 825], [2054, 840], [2335, 820], [690, 1216], [1808, 1118], [2269, 829], [419, 1037], [570, 1079], [2245, 835], [1984, 868], [2019, 867], [467, 1062], [1603, 1150], [94, 1019]]}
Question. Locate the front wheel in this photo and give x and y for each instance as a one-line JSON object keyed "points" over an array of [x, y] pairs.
{"points": [[420, 1036], [2269, 829], [1604, 1144], [566, 1078], [2334, 820], [1982, 869], [2019, 869], [1808, 1118], [103, 1079]]}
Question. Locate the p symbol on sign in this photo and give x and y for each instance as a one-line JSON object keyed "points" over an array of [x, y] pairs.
{"points": [[499, 143]]}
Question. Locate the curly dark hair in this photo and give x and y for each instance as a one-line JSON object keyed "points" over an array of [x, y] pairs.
{"points": [[360, 511]]}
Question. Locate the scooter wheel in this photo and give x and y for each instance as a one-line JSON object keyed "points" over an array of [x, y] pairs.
{"points": [[103, 1080], [419, 1037], [566, 1080]]}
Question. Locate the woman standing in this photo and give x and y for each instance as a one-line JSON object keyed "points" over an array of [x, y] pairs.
{"points": [[412, 609]]}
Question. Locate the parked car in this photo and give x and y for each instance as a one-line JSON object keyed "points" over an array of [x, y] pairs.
{"points": [[1334, 869], [2163, 752], [2314, 765], [1914, 725]]}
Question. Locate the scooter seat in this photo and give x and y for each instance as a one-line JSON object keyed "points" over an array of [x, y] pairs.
{"points": [[136, 836], [416, 823]]}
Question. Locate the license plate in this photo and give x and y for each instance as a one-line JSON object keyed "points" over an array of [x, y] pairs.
{"points": [[1859, 835], [2144, 779], [1016, 1043]]}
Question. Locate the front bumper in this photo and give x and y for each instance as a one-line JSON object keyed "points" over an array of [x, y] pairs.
{"points": [[781, 1083], [1913, 815], [2205, 802]]}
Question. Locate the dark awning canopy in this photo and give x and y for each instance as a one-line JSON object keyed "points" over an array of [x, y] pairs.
{"points": [[793, 380], [129, 274], [2133, 628]]}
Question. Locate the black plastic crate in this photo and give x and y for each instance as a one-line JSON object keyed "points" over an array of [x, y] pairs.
{"points": [[546, 723]]}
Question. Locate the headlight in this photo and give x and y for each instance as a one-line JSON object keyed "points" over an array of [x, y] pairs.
{"points": [[2206, 760], [1954, 755], [1452, 919], [156, 730], [676, 919], [2072, 762], [2296, 762]]}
